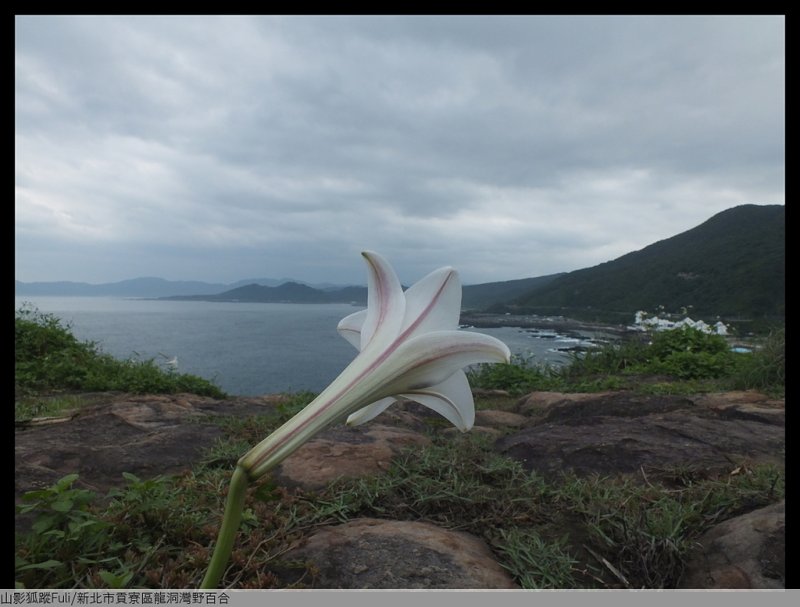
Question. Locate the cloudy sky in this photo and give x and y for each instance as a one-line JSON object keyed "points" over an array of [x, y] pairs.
{"points": [[223, 148]]}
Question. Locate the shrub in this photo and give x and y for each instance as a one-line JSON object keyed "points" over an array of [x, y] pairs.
{"points": [[48, 357], [609, 359], [46, 354], [684, 353], [766, 367], [694, 365], [519, 376], [686, 339]]}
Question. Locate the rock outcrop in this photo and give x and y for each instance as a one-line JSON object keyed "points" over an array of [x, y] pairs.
{"points": [[362, 553], [613, 433], [748, 552]]}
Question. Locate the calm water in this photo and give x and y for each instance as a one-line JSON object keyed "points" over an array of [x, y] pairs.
{"points": [[245, 348]]}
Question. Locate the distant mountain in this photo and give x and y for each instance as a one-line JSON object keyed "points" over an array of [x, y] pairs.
{"points": [[276, 282], [261, 289], [473, 296], [290, 292], [144, 287], [267, 282], [136, 287], [732, 265]]}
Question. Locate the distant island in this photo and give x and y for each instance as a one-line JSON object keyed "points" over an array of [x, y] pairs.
{"points": [[289, 292], [473, 296]]}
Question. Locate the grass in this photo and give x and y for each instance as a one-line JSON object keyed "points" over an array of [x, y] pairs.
{"points": [[31, 407], [568, 532], [534, 562], [766, 368]]}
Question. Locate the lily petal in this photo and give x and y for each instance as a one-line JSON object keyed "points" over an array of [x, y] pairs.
{"points": [[431, 358], [350, 327], [433, 303], [370, 411], [452, 399], [385, 303]]}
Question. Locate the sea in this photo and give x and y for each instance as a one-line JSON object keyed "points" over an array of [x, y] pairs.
{"points": [[246, 349]]}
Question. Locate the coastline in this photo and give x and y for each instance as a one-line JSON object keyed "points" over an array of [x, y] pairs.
{"points": [[481, 320]]}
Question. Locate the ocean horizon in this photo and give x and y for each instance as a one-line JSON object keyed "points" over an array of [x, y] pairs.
{"points": [[247, 349]]}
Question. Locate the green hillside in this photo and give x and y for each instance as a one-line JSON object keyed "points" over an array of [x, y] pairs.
{"points": [[732, 266], [483, 295]]}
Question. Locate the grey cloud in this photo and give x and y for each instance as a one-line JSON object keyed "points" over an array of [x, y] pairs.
{"points": [[433, 139]]}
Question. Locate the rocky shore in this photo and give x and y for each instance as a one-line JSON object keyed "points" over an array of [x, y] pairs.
{"points": [[529, 321]]}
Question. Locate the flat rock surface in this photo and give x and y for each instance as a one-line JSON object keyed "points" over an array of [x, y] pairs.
{"points": [[500, 419], [145, 435], [345, 453], [536, 404], [363, 553], [624, 432]]}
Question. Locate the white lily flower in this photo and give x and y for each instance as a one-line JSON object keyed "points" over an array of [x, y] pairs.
{"points": [[410, 347]]}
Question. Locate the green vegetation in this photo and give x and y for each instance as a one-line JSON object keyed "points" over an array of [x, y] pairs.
{"points": [[476, 297], [48, 358], [683, 360], [523, 375], [732, 266], [30, 407], [766, 368], [562, 533]]}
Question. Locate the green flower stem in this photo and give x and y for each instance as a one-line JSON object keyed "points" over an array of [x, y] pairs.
{"points": [[227, 532]]}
